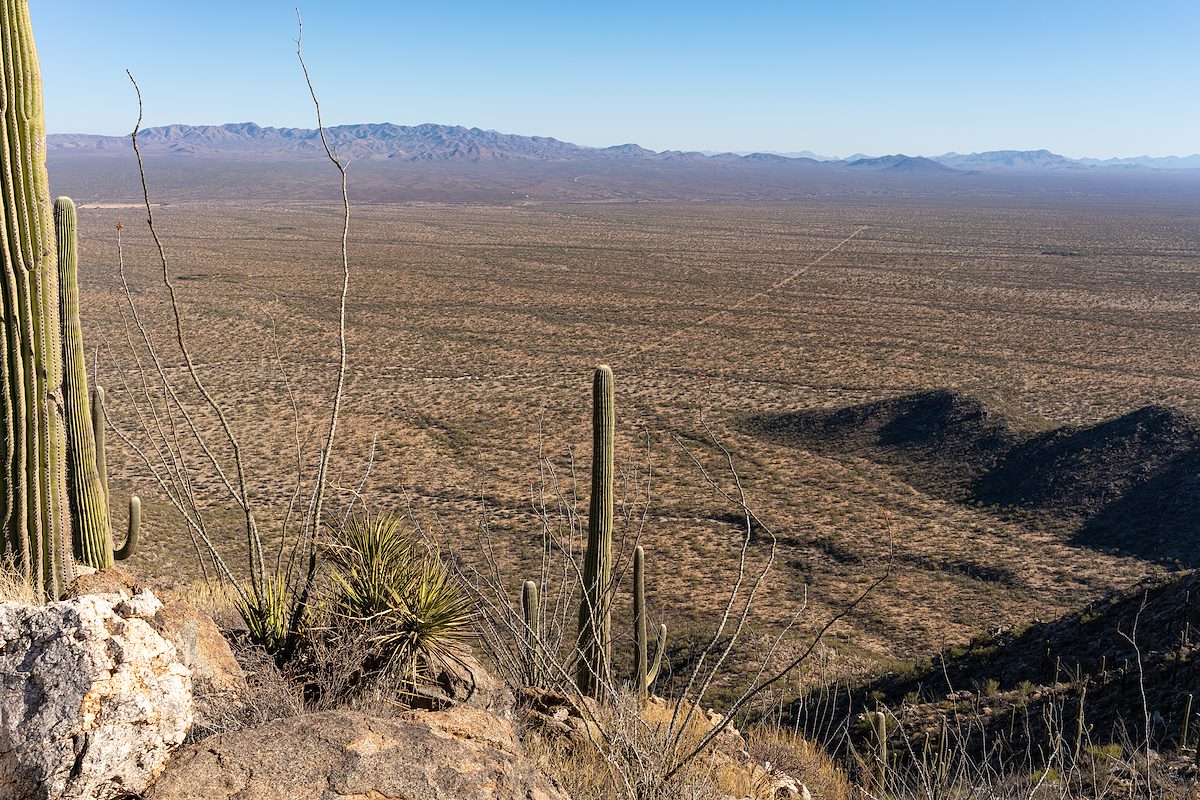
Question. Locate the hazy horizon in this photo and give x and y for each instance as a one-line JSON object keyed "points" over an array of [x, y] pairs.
{"points": [[795, 152]]}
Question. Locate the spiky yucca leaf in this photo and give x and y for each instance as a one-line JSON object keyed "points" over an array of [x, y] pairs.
{"points": [[384, 579], [370, 564], [265, 611], [432, 616]]}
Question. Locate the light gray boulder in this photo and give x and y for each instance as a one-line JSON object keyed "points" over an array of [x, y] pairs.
{"points": [[92, 699]]}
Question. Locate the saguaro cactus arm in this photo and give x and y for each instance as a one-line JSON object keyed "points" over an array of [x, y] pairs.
{"points": [[99, 417], [133, 532], [643, 675]]}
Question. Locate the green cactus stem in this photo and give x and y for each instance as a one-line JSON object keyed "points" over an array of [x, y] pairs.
{"points": [[595, 608], [643, 675], [99, 417], [133, 531], [531, 611], [34, 513], [85, 490], [879, 721], [87, 465]]}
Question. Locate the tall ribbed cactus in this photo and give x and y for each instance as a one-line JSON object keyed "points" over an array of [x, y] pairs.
{"points": [[595, 609], [34, 515], [87, 472], [531, 613], [643, 675]]}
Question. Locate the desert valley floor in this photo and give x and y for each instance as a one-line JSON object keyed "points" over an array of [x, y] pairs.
{"points": [[742, 326]]}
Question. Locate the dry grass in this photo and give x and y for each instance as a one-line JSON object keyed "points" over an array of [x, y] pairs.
{"points": [[13, 589], [796, 756], [215, 599], [627, 754]]}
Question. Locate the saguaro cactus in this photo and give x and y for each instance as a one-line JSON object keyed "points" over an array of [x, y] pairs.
{"points": [[595, 609], [531, 613], [34, 515], [643, 675], [87, 472]]}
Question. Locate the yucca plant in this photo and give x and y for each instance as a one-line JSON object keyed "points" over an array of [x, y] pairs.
{"points": [[265, 612], [388, 587]]}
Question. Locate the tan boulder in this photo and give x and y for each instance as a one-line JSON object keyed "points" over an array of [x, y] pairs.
{"points": [[464, 753], [201, 645]]}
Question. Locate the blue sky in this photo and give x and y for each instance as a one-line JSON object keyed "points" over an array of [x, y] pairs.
{"points": [[1082, 78]]}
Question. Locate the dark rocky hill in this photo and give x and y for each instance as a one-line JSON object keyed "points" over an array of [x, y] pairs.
{"points": [[1131, 483]]}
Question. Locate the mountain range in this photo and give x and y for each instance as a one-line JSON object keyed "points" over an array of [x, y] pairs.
{"points": [[436, 143]]}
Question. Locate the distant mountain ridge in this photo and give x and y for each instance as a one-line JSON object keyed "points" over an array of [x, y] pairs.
{"points": [[434, 143], [900, 163], [1007, 159], [372, 141]]}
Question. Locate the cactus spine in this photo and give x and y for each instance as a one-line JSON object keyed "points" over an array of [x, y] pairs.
{"points": [[87, 467], [643, 676], [34, 515], [595, 609]]}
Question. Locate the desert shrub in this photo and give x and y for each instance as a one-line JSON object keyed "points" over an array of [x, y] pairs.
{"points": [[1106, 752], [386, 579], [783, 751], [271, 695]]}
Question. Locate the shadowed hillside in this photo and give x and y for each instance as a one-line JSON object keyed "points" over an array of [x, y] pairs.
{"points": [[1129, 483], [1118, 661]]}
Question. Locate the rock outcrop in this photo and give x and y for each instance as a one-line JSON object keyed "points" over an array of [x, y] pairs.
{"points": [[464, 752], [217, 679], [93, 698]]}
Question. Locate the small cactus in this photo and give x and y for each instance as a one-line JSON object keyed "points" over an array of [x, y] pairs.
{"points": [[595, 609], [881, 742], [530, 612], [643, 676]]}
